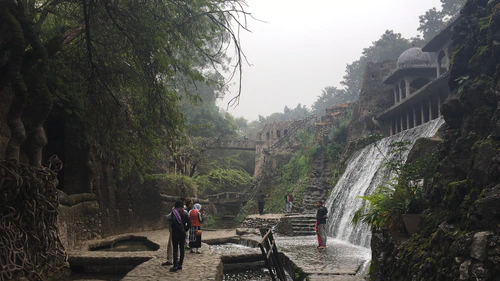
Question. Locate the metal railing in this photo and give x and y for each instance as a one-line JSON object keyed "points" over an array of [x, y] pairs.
{"points": [[270, 253]]}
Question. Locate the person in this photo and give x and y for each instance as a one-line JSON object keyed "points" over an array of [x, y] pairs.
{"points": [[169, 247], [260, 201], [288, 201], [194, 237], [188, 205], [180, 224], [321, 224]]}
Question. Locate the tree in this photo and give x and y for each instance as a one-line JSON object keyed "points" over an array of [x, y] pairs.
{"points": [[388, 47], [434, 20], [114, 68], [329, 96]]}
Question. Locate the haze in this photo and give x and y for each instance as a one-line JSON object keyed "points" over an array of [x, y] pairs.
{"points": [[305, 46]]}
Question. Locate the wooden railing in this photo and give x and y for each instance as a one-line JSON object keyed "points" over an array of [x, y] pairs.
{"points": [[270, 253]]}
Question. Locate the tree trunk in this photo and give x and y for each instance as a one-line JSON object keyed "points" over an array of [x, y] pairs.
{"points": [[41, 105], [16, 46]]}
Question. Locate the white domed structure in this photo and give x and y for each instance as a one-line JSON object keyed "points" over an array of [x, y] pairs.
{"points": [[413, 56]]}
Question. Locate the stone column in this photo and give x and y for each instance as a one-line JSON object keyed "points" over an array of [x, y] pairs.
{"points": [[392, 128], [430, 108], [414, 116], [439, 105], [400, 91], [395, 96], [408, 120], [407, 83], [422, 112], [401, 124]]}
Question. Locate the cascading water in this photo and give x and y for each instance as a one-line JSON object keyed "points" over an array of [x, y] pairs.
{"points": [[364, 172]]}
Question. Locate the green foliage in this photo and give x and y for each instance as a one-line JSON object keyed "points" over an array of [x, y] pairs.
{"points": [[433, 20], [119, 69], [329, 96], [300, 166], [180, 185], [398, 195], [222, 180]]}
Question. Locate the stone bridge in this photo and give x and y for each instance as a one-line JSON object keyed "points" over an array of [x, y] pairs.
{"points": [[229, 198], [228, 143]]}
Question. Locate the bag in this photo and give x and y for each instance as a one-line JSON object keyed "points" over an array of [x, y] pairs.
{"points": [[198, 232]]}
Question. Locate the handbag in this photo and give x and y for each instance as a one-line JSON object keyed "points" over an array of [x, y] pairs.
{"points": [[198, 232]]}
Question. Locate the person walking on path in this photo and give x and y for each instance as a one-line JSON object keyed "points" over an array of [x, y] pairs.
{"points": [[260, 201], [195, 230], [321, 224], [289, 201], [180, 224], [169, 247]]}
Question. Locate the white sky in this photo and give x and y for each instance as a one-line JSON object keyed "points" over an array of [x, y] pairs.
{"points": [[305, 46]]}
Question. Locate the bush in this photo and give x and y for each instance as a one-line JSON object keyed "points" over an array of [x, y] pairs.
{"points": [[398, 195]]}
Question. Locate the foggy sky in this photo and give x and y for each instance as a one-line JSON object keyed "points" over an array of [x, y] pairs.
{"points": [[305, 46]]}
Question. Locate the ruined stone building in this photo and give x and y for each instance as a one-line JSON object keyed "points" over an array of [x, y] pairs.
{"points": [[419, 83]]}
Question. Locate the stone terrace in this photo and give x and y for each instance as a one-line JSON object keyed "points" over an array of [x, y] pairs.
{"points": [[206, 266]]}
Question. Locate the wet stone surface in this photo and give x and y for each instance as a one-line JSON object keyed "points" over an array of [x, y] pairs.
{"points": [[247, 275], [339, 258]]}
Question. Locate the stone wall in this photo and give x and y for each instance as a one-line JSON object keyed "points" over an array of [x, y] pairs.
{"points": [[374, 98], [78, 223], [271, 129]]}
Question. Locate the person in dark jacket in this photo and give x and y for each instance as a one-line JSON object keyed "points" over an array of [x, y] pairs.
{"points": [[321, 216], [260, 201], [180, 224]]}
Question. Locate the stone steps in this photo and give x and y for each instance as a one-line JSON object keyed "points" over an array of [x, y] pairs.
{"points": [[303, 224]]}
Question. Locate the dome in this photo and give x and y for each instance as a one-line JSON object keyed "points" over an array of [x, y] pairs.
{"points": [[413, 56]]}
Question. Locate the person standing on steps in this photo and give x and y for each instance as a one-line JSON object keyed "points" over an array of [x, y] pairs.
{"points": [[260, 201], [321, 224], [180, 224], [288, 201]]}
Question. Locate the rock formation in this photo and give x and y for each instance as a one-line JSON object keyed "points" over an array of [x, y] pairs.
{"points": [[459, 236]]}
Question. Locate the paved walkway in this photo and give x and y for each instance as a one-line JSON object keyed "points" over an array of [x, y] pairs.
{"points": [[205, 266]]}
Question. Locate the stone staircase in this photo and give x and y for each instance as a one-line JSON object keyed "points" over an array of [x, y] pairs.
{"points": [[302, 224], [319, 182], [316, 191]]}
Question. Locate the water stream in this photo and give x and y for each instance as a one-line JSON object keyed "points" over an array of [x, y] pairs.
{"points": [[364, 172]]}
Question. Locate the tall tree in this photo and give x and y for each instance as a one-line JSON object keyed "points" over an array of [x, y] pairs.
{"points": [[388, 47], [116, 67], [329, 96], [433, 20]]}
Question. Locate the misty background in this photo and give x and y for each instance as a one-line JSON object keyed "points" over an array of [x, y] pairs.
{"points": [[296, 49]]}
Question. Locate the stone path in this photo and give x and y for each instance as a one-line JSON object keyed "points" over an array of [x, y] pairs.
{"points": [[205, 266]]}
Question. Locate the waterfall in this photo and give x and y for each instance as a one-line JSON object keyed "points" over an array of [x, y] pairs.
{"points": [[364, 172]]}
